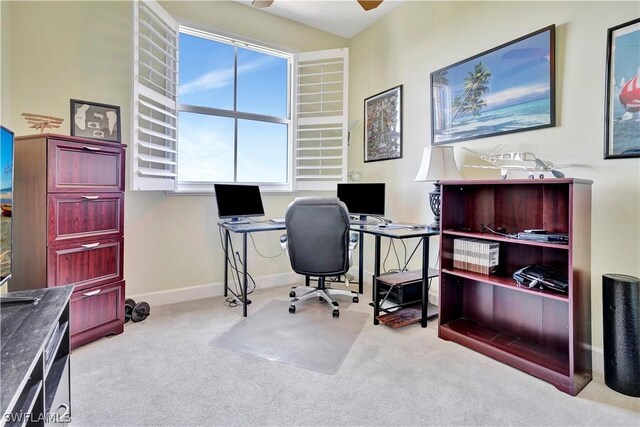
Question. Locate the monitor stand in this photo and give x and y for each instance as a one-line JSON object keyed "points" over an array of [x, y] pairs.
{"points": [[362, 220], [237, 221]]}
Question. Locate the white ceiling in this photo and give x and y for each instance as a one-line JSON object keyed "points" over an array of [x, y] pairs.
{"points": [[345, 18]]}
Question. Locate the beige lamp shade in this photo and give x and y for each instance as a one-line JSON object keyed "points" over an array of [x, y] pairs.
{"points": [[438, 163]]}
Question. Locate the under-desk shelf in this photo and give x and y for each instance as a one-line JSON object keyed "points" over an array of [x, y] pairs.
{"points": [[505, 282]]}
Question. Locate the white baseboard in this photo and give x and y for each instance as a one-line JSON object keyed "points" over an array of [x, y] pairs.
{"points": [[191, 293], [597, 360]]}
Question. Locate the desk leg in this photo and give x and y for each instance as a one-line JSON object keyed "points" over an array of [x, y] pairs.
{"points": [[226, 262], [425, 280], [376, 294], [245, 299], [361, 263]]}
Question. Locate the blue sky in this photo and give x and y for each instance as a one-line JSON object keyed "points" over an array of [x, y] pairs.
{"points": [[519, 72], [206, 143]]}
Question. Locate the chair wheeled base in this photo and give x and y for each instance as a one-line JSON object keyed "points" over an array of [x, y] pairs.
{"points": [[322, 292]]}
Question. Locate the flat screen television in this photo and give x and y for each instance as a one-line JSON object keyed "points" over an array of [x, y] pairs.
{"points": [[6, 202], [236, 201], [363, 198]]}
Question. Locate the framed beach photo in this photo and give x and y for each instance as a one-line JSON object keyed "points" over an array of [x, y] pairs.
{"points": [[622, 95], [510, 88], [383, 126], [97, 121]]}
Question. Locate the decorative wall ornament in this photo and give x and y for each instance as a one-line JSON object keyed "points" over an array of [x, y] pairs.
{"points": [[42, 122]]}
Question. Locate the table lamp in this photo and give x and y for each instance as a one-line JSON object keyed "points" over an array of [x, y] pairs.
{"points": [[438, 163]]}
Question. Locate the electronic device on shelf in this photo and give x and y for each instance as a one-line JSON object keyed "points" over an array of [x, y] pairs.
{"points": [[537, 275], [6, 202], [363, 199], [236, 201], [544, 237]]}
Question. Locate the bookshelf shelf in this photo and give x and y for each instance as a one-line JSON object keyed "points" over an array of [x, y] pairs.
{"points": [[544, 333], [505, 282], [496, 238]]}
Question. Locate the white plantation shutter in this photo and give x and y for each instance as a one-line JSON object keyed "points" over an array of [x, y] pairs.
{"points": [[155, 96], [320, 134]]}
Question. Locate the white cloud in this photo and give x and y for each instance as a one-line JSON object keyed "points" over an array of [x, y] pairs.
{"points": [[513, 94], [220, 77], [205, 153]]}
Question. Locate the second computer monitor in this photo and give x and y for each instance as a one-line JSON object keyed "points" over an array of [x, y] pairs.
{"points": [[363, 198]]}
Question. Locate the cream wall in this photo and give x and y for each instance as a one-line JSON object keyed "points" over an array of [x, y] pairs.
{"points": [[83, 50], [420, 37]]}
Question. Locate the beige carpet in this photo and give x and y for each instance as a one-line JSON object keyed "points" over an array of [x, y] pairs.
{"points": [[164, 372]]}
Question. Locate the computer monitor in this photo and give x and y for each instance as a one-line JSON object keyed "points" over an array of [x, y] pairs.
{"points": [[363, 198], [237, 201]]}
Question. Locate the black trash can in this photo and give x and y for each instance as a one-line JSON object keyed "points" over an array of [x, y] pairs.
{"points": [[621, 333]]}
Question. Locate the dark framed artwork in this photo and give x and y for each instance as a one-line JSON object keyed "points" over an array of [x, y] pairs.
{"points": [[97, 121], [383, 125], [510, 88], [622, 95]]}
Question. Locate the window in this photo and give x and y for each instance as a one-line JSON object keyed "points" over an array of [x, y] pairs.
{"points": [[233, 111]]}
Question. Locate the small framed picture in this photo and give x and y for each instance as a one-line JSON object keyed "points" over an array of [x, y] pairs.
{"points": [[383, 126], [97, 121], [622, 104]]}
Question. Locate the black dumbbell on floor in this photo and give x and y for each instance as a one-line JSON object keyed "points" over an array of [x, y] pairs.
{"points": [[135, 312]]}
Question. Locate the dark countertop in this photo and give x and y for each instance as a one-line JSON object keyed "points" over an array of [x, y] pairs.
{"points": [[25, 330]]}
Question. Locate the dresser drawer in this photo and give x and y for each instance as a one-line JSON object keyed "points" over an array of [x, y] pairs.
{"points": [[85, 265], [96, 312], [83, 217], [81, 167]]}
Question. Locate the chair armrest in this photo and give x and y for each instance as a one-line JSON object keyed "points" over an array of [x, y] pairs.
{"points": [[353, 242], [284, 243]]}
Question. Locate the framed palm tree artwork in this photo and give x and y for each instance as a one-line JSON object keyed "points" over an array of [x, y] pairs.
{"points": [[510, 88]]}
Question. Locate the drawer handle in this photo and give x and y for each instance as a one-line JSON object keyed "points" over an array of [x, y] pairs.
{"points": [[86, 147], [90, 245], [90, 197], [92, 293]]}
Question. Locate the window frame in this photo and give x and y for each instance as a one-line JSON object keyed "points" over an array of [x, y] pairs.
{"points": [[240, 42]]}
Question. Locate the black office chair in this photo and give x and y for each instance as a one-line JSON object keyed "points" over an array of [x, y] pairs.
{"points": [[319, 245]]}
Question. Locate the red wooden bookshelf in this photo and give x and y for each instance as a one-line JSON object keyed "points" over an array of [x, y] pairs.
{"points": [[539, 331]]}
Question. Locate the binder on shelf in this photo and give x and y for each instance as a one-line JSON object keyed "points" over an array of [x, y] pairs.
{"points": [[475, 255]]}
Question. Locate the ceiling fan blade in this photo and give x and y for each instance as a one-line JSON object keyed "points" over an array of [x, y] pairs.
{"points": [[369, 4], [261, 3]]}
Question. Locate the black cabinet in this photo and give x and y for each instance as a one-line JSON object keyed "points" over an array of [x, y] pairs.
{"points": [[35, 358]]}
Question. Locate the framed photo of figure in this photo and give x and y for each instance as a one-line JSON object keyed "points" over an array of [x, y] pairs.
{"points": [[383, 125], [622, 95], [97, 121]]}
